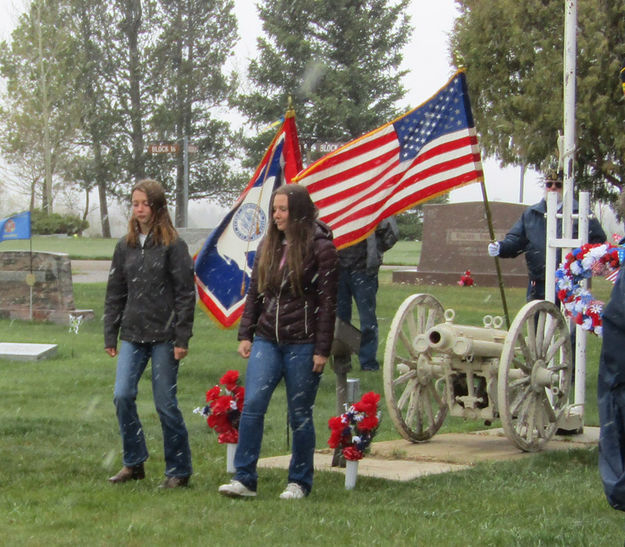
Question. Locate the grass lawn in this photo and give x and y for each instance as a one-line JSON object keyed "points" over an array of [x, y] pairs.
{"points": [[404, 253], [59, 443], [78, 248]]}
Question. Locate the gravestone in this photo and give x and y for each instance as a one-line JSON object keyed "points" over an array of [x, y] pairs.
{"points": [[455, 239], [37, 285], [194, 237], [27, 352]]}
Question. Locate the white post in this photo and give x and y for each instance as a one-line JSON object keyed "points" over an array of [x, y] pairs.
{"points": [[568, 159], [550, 251], [580, 334], [575, 415]]}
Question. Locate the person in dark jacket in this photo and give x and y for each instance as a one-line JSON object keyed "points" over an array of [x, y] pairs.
{"points": [[150, 302], [611, 397], [529, 236], [286, 332], [358, 281], [611, 390]]}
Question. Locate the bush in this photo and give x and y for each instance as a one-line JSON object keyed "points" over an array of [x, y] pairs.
{"points": [[410, 224], [54, 223]]}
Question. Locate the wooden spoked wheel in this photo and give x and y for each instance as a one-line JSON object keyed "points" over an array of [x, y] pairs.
{"points": [[534, 376], [414, 397]]}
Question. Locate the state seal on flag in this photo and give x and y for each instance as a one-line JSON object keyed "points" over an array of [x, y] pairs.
{"points": [[249, 222], [9, 227]]}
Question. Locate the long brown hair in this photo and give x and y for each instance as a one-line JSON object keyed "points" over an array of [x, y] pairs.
{"points": [[299, 233], [162, 230]]}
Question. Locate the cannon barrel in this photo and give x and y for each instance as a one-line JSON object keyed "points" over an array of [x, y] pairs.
{"points": [[464, 340]]}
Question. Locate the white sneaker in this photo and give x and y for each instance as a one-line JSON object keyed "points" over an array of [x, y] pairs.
{"points": [[236, 489], [293, 491]]}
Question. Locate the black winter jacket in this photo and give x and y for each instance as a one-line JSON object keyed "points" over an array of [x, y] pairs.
{"points": [[150, 295], [283, 315], [367, 255], [529, 236]]}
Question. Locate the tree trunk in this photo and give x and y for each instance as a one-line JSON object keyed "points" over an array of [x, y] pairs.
{"points": [[46, 202], [132, 26]]}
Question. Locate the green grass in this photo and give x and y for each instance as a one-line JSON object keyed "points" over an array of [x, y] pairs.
{"points": [[404, 253], [59, 443], [78, 248]]}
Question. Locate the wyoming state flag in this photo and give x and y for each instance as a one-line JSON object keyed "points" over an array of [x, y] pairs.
{"points": [[15, 227], [224, 264]]}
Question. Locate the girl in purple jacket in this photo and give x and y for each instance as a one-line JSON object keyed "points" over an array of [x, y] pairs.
{"points": [[286, 332]]}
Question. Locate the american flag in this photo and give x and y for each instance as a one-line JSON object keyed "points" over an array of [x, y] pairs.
{"points": [[611, 277], [416, 157]]}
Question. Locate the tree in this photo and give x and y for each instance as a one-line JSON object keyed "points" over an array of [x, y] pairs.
{"points": [[92, 163], [197, 39], [40, 110], [339, 61], [513, 53]]}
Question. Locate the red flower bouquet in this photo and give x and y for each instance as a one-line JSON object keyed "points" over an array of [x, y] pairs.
{"points": [[353, 430], [224, 406], [466, 280]]}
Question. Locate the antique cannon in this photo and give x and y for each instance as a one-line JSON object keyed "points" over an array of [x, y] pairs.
{"points": [[434, 367]]}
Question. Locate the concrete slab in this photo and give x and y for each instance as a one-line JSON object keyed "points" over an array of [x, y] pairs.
{"points": [[401, 460], [27, 352], [395, 470], [472, 448]]}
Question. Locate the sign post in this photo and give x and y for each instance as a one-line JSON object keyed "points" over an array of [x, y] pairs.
{"points": [[174, 148]]}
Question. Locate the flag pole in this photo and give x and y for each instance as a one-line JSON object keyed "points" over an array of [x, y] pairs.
{"points": [[30, 243], [491, 232]]}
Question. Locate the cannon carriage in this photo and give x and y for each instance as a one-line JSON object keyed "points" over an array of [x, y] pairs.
{"points": [[434, 367]]}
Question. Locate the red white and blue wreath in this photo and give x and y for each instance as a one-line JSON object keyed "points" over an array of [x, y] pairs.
{"points": [[582, 263]]}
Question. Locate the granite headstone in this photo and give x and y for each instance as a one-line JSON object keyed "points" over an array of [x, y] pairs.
{"points": [[37, 286], [455, 239]]}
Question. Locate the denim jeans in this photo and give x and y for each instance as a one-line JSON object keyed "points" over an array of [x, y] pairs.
{"points": [[268, 364], [131, 363], [363, 287]]}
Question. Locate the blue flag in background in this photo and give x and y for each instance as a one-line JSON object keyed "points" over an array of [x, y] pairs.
{"points": [[15, 227]]}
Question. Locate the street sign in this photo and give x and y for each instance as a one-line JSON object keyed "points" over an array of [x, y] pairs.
{"points": [[324, 147], [167, 148], [163, 148]]}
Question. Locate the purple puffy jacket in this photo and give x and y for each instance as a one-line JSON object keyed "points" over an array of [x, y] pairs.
{"points": [[286, 317]]}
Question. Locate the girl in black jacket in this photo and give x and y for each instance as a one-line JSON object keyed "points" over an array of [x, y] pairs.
{"points": [[289, 314], [150, 301]]}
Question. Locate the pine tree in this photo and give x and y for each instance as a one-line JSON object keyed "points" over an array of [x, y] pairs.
{"points": [[339, 60], [513, 53]]}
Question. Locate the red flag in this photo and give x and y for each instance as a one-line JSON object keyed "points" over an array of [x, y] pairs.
{"points": [[416, 157]]}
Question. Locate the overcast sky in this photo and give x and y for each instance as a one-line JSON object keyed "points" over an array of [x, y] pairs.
{"points": [[426, 57]]}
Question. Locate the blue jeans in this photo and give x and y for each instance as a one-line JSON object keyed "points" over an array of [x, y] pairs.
{"points": [[131, 363], [363, 287], [268, 364]]}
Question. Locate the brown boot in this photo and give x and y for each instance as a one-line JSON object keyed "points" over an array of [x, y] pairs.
{"points": [[174, 482], [134, 473]]}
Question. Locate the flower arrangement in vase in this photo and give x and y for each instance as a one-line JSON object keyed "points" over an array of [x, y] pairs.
{"points": [[224, 403], [353, 430]]}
